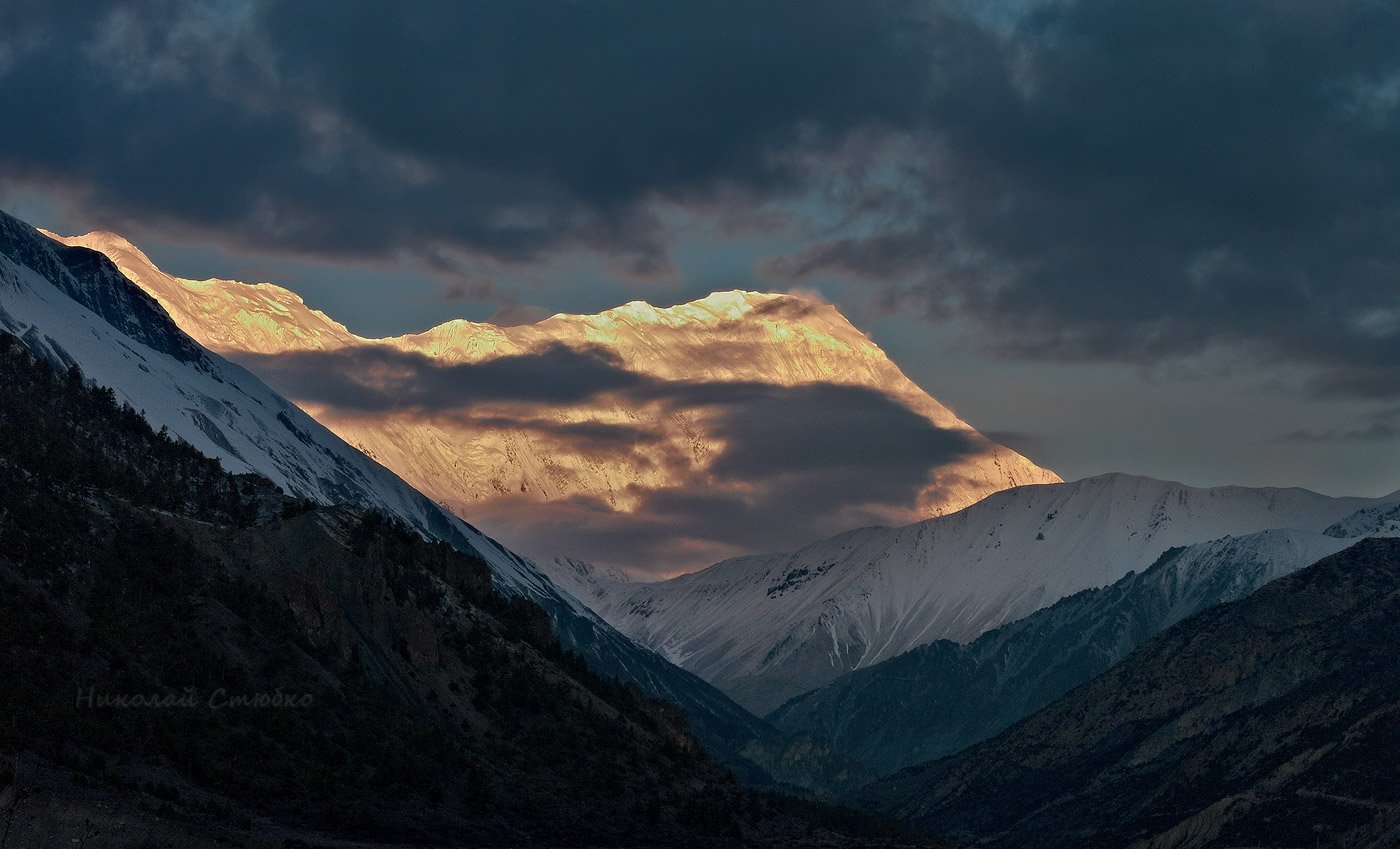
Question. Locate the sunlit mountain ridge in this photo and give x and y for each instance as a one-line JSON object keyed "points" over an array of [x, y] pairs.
{"points": [[607, 455]]}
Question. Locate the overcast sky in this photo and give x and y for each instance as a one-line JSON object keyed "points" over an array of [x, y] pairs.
{"points": [[1160, 238]]}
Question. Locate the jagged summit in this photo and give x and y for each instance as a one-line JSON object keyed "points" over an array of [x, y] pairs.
{"points": [[104, 241], [224, 315], [268, 308], [726, 305]]}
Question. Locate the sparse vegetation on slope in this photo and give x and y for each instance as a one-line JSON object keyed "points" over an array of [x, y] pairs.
{"points": [[183, 646]]}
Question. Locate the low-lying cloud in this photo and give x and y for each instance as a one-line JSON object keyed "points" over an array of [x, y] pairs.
{"points": [[378, 378], [786, 464]]}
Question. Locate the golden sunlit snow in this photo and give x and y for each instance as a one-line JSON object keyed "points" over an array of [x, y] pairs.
{"points": [[464, 460]]}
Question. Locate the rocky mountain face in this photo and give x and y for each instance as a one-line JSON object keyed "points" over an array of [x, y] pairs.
{"points": [[73, 306], [766, 628], [193, 658], [507, 451], [941, 698], [1270, 722]]}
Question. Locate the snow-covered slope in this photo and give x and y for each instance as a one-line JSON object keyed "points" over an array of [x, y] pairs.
{"points": [[943, 697], [72, 305], [728, 338], [768, 627]]}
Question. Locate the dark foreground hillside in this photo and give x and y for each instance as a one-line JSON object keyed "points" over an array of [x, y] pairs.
{"points": [[1273, 721], [191, 659]]}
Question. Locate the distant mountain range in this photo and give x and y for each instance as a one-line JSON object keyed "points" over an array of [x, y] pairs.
{"points": [[941, 698], [766, 628]]}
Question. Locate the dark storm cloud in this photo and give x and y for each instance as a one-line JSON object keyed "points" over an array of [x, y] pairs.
{"points": [[798, 464], [875, 447], [1090, 180], [610, 100], [377, 379], [794, 463], [138, 107], [1129, 181], [883, 448], [437, 128]]}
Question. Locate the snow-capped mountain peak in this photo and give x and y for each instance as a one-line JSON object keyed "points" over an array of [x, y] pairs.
{"points": [[231, 317], [480, 464], [713, 308]]}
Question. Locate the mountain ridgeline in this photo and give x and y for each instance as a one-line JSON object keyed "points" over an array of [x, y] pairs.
{"points": [[193, 657], [1273, 721], [679, 377]]}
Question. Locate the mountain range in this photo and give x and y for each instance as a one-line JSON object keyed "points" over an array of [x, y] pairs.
{"points": [[766, 628], [72, 306], [1117, 661], [659, 425], [941, 698]]}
